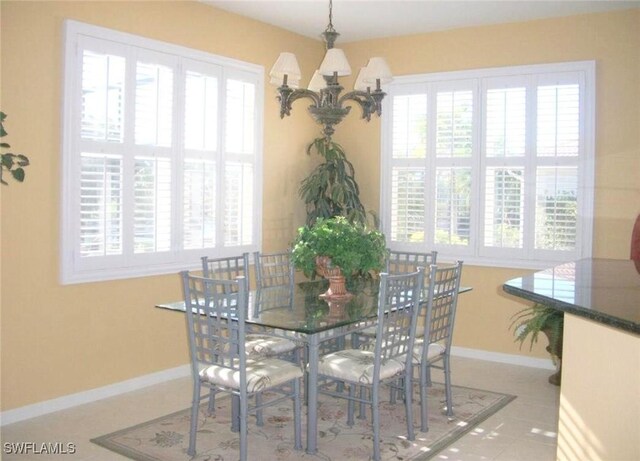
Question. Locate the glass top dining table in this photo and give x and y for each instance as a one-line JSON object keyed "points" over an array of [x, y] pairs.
{"points": [[298, 312]]}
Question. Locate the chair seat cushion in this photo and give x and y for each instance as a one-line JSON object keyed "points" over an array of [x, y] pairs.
{"points": [[261, 374], [435, 350], [266, 345], [356, 365]]}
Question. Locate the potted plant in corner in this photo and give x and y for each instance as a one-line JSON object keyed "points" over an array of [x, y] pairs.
{"points": [[331, 189], [548, 320], [338, 249]]}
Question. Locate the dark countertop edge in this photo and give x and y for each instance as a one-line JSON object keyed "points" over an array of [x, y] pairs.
{"points": [[596, 316]]}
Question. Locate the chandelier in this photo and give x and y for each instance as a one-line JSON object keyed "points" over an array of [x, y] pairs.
{"points": [[328, 107]]}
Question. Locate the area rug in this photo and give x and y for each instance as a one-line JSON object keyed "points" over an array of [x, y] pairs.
{"points": [[167, 438]]}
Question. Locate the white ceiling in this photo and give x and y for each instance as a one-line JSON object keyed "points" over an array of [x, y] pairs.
{"points": [[365, 19]]}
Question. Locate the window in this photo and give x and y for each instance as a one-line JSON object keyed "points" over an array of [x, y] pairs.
{"points": [[161, 156], [492, 166]]}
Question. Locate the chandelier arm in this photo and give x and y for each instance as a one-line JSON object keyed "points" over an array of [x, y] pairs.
{"points": [[365, 100], [288, 96]]}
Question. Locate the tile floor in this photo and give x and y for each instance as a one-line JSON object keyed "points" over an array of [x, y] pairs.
{"points": [[524, 430]]}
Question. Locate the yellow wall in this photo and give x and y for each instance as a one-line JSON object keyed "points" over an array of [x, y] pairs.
{"points": [[613, 41], [57, 340]]}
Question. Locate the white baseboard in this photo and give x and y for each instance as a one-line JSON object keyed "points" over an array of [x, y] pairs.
{"points": [[511, 359], [72, 400]]}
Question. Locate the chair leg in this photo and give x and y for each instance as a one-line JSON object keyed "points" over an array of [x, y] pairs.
{"points": [[363, 391], [243, 427], [375, 420], [447, 385], [212, 401], [235, 413], [408, 405], [424, 417], [351, 404], [195, 407], [297, 415], [259, 418]]}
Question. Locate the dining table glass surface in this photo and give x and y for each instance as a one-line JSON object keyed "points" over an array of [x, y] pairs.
{"points": [[299, 308]]}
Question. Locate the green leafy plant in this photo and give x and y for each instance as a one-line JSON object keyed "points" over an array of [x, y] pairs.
{"points": [[529, 322], [13, 163], [352, 246], [331, 189]]}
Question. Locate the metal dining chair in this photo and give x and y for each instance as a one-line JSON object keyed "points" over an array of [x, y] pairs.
{"points": [[433, 347], [215, 312], [273, 269], [398, 262], [262, 343], [387, 361]]}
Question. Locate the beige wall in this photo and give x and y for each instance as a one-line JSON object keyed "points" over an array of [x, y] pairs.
{"points": [[74, 338], [58, 340]]}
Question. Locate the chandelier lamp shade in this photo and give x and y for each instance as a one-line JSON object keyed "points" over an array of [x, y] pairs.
{"points": [[328, 105]]}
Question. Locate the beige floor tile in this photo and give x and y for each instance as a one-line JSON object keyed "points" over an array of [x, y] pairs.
{"points": [[523, 430]]}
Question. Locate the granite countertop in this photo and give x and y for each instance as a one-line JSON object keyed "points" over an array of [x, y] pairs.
{"points": [[603, 290]]}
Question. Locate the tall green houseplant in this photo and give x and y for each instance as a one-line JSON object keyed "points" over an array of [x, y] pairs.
{"points": [[331, 189]]}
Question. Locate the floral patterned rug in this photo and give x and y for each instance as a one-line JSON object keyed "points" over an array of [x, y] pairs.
{"points": [[167, 438]]}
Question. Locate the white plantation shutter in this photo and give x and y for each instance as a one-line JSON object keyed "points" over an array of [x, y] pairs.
{"points": [[408, 171], [453, 206], [102, 112], [409, 126], [556, 208], [407, 206], [100, 205], [161, 154], [493, 166], [506, 122], [453, 161], [199, 204], [238, 223], [202, 152], [558, 120], [152, 205], [504, 207]]}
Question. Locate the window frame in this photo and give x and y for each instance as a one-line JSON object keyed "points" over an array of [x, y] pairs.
{"points": [[476, 253], [73, 268]]}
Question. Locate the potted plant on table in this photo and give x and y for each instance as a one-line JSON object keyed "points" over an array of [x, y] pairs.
{"points": [[338, 249], [548, 320]]}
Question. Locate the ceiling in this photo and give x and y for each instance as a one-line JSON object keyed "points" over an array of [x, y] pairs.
{"points": [[366, 19]]}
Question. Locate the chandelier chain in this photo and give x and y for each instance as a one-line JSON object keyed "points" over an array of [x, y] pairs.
{"points": [[330, 25]]}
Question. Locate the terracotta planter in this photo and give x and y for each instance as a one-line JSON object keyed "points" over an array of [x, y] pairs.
{"points": [[337, 283]]}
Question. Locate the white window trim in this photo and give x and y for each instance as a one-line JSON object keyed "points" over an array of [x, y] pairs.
{"points": [[70, 269], [586, 185]]}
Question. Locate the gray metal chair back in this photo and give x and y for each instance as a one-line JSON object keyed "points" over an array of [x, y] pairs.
{"points": [[396, 328], [435, 344], [444, 284], [388, 361], [273, 269], [226, 268], [403, 262], [216, 310]]}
